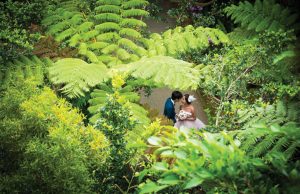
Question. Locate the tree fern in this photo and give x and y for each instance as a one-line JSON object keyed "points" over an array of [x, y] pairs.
{"points": [[24, 68], [180, 40], [260, 16], [99, 97], [280, 112], [165, 70], [259, 141], [123, 24], [269, 129], [77, 76]]}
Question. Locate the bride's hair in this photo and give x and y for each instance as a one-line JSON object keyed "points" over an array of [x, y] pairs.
{"points": [[186, 97], [189, 98]]}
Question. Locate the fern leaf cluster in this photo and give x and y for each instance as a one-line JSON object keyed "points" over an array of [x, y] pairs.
{"points": [[120, 30], [280, 112], [262, 140], [165, 71], [180, 40], [99, 97], [77, 76], [24, 68], [270, 129], [262, 15], [112, 21]]}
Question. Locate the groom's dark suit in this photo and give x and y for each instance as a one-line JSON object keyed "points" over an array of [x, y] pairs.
{"points": [[169, 110]]}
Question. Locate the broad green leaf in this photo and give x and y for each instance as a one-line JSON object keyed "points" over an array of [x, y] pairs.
{"points": [[172, 179], [154, 140], [193, 183], [160, 166]]}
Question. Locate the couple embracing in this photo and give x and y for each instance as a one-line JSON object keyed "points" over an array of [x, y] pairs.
{"points": [[186, 117]]}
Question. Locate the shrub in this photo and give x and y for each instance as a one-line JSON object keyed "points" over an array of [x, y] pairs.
{"points": [[51, 148]]}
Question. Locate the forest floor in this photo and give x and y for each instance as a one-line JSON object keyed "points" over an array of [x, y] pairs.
{"points": [[158, 96]]}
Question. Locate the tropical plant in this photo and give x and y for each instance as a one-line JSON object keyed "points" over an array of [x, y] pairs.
{"points": [[181, 40], [211, 165], [108, 36], [263, 15], [17, 22], [127, 92], [24, 68], [280, 112], [262, 140], [51, 149], [115, 120], [164, 71], [77, 75]]}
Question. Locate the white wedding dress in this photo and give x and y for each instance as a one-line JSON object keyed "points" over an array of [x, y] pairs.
{"points": [[181, 121]]}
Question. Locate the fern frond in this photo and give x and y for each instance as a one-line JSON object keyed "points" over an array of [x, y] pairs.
{"points": [[92, 57], [262, 147], [260, 141], [65, 34], [110, 49], [134, 13], [165, 70], [131, 22], [109, 2], [76, 19], [288, 153], [108, 17], [58, 27], [77, 75], [123, 54], [108, 8], [85, 26], [99, 97], [74, 40], [89, 35], [24, 68], [107, 27], [105, 58], [98, 45], [134, 4], [128, 32], [108, 37], [262, 16]]}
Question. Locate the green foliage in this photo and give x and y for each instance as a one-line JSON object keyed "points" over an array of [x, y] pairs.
{"points": [[24, 68], [165, 71], [45, 138], [276, 42], [180, 40], [263, 15], [99, 96], [261, 140], [18, 20], [280, 112], [93, 36], [14, 42], [77, 75], [217, 165], [115, 121], [274, 90]]}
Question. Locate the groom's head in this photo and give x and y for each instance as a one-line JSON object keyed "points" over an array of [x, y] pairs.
{"points": [[176, 96]]}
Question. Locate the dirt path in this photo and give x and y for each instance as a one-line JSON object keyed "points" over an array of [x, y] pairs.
{"points": [[157, 98]]}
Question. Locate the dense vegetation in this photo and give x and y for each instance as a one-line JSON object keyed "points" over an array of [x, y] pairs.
{"points": [[70, 114]]}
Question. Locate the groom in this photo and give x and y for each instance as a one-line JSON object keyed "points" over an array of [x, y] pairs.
{"points": [[169, 110]]}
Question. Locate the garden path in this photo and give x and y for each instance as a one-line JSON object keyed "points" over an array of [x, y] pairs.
{"points": [[158, 96]]}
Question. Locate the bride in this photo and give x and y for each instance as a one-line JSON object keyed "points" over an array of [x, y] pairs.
{"points": [[186, 117]]}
